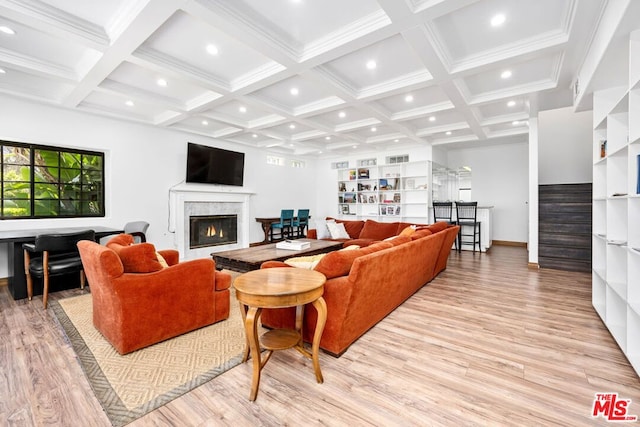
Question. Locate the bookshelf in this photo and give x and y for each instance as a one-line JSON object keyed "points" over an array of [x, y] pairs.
{"points": [[616, 208]]}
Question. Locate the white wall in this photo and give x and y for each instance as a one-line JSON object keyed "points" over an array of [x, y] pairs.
{"points": [[499, 178], [142, 163], [564, 151]]}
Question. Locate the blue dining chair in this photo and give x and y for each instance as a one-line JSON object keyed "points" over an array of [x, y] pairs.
{"points": [[301, 221], [285, 226]]}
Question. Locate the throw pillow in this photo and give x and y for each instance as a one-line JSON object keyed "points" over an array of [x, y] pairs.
{"points": [[322, 230], [138, 258], [121, 239], [161, 260], [337, 231], [408, 231], [308, 262]]}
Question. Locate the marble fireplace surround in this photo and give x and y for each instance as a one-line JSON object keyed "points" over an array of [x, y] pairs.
{"points": [[193, 199]]}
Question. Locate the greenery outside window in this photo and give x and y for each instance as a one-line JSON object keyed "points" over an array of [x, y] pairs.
{"points": [[50, 182]]}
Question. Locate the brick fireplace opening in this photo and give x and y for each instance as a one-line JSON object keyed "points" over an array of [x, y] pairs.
{"points": [[212, 230]]}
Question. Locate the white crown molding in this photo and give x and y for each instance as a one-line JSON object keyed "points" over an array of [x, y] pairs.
{"points": [[384, 138], [422, 111], [303, 136], [504, 119], [356, 29], [420, 76], [201, 100], [336, 81], [169, 62], [126, 14], [442, 128], [60, 20], [270, 119], [461, 138], [121, 89], [35, 66], [263, 72], [507, 132], [329, 102], [357, 124]]}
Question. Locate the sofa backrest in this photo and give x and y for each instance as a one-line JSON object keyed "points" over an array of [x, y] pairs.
{"points": [[353, 228]]}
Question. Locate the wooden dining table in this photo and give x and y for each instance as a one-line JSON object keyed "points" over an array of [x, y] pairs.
{"points": [[266, 226]]}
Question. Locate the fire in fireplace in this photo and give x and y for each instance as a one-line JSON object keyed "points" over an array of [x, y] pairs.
{"points": [[212, 230]]}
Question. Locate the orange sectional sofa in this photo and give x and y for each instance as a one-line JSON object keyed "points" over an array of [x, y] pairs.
{"points": [[365, 285]]}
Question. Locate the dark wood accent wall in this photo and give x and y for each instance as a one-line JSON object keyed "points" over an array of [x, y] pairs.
{"points": [[564, 230]]}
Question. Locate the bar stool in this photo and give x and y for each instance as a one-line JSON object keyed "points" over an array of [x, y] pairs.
{"points": [[466, 218], [443, 211]]}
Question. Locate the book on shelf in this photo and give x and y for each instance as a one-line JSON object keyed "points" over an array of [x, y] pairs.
{"points": [[293, 245]]}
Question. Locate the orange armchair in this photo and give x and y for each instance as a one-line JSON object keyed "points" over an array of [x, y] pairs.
{"points": [[135, 310]]}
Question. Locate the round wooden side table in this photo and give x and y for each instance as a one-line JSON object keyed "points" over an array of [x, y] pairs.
{"points": [[279, 288]]}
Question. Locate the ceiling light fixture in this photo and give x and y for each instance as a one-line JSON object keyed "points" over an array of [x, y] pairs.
{"points": [[506, 74], [129, 103], [294, 91], [515, 122], [396, 140], [161, 82], [448, 132], [328, 138], [511, 104], [7, 30], [432, 118], [408, 98], [498, 20], [354, 146], [342, 114], [2, 71], [255, 135], [242, 109], [374, 129], [292, 126], [212, 49], [205, 123], [371, 65]]}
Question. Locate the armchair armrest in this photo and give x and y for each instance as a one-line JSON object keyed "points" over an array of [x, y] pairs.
{"points": [[172, 256]]}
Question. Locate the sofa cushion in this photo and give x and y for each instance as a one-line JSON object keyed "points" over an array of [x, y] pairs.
{"points": [[338, 263], [308, 262], [354, 228], [138, 258], [378, 230], [398, 240], [360, 242], [421, 233], [438, 226], [407, 231]]}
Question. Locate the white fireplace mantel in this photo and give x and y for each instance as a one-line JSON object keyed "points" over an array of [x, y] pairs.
{"points": [[207, 199]]}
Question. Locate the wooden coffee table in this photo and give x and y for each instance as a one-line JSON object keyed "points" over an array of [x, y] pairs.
{"points": [[279, 288], [249, 259]]}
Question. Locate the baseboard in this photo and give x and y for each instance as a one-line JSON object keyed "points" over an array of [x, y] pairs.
{"points": [[4, 281], [533, 266], [509, 243]]}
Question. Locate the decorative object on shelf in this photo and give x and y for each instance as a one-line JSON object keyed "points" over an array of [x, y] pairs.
{"points": [[363, 173], [349, 197], [342, 186], [603, 149], [352, 174], [396, 197], [373, 199], [344, 209]]}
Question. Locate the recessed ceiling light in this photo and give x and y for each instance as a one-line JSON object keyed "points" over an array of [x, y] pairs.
{"points": [[355, 146], [511, 104], [319, 152], [205, 123], [515, 122], [448, 132], [498, 20], [374, 129], [242, 109], [408, 98], [161, 82], [328, 138], [212, 49], [291, 145], [342, 114], [432, 118], [255, 135], [2, 71], [371, 65], [506, 74], [7, 30], [292, 126], [294, 91], [129, 103], [396, 140]]}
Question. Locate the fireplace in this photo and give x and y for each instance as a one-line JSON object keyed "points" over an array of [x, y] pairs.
{"points": [[212, 230]]}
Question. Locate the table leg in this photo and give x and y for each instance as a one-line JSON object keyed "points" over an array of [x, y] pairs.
{"points": [[321, 307], [251, 327], [243, 311]]}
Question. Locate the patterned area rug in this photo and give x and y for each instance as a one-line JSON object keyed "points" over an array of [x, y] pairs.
{"points": [[132, 385]]}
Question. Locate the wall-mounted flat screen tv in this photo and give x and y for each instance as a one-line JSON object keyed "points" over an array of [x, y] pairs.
{"points": [[210, 165]]}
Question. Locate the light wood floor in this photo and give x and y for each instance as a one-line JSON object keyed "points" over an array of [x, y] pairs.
{"points": [[488, 342]]}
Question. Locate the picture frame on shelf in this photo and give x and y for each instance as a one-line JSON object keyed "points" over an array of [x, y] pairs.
{"points": [[349, 197], [363, 173], [344, 209], [391, 210]]}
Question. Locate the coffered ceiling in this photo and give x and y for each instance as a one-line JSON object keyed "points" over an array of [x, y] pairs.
{"points": [[304, 77]]}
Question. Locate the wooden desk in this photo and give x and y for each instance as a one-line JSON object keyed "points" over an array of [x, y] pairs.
{"points": [[17, 279], [279, 288], [266, 227]]}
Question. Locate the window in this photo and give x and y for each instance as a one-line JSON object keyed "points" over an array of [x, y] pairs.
{"points": [[273, 160], [50, 182], [297, 164]]}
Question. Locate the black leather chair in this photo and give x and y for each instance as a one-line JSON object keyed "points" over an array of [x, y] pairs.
{"points": [[137, 229], [466, 217], [58, 255]]}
